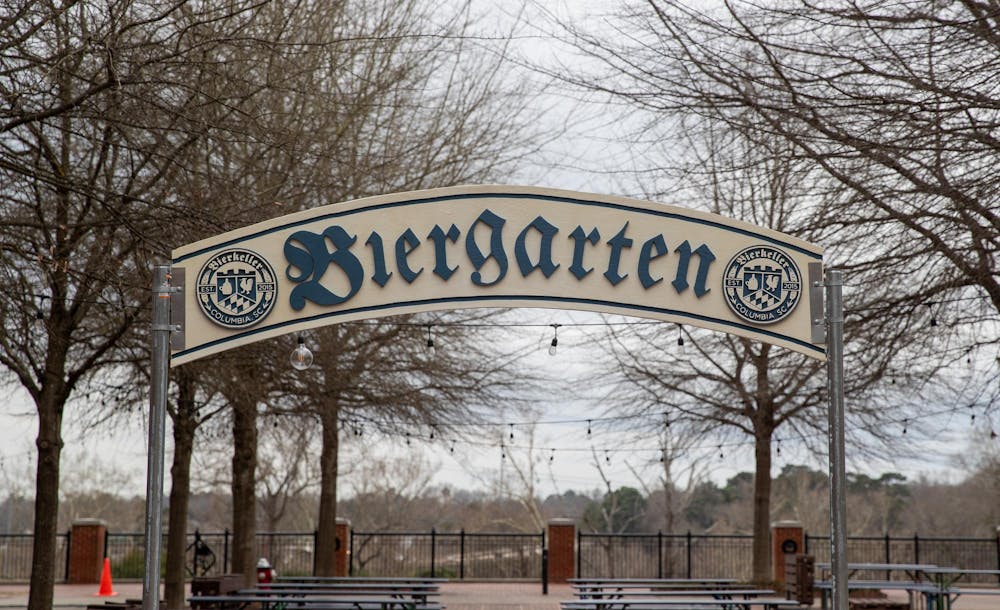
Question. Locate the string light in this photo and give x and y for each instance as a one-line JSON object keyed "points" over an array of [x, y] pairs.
{"points": [[555, 339], [680, 336], [588, 428], [433, 427], [430, 341], [579, 448], [552, 456], [607, 457], [511, 432], [302, 356]]}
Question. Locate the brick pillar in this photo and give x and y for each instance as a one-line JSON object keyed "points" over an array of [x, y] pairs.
{"points": [[86, 551], [562, 550], [787, 539], [342, 554]]}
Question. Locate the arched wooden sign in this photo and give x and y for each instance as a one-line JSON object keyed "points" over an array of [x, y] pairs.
{"points": [[494, 246]]}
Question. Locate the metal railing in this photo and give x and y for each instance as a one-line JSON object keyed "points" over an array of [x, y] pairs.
{"points": [[457, 555], [467, 555], [968, 553], [664, 555], [15, 556]]}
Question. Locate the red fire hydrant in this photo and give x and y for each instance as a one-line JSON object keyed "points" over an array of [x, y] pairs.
{"points": [[265, 573]]}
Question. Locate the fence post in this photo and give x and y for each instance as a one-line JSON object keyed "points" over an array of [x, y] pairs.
{"points": [[545, 566], [998, 551], [225, 551], [689, 554], [194, 555], [888, 557], [916, 550], [350, 560], [545, 571], [579, 556], [433, 538], [659, 553], [315, 550], [461, 554], [69, 540]]}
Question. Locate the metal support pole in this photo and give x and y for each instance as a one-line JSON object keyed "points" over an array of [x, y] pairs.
{"points": [[160, 361], [838, 475]]}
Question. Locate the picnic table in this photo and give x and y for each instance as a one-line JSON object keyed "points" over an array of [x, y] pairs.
{"points": [[418, 593], [361, 579], [935, 583], [722, 593], [702, 602], [598, 585], [327, 602]]}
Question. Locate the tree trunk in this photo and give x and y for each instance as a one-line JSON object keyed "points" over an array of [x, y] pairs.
{"points": [[762, 508], [326, 535], [49, 444], [244, 496], [184, 425]]}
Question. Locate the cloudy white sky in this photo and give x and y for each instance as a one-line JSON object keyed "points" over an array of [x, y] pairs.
{"points": [[581, 159]]}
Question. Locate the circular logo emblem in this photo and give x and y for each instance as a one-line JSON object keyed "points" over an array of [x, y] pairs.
{"points": [[762, 284], [236, 288]]}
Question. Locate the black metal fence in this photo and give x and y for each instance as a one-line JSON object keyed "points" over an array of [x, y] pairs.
{"points": [[466, 555], [452, 555], [15, 556], [717, 556], [968, 553], [209, 554], [664, 556]]}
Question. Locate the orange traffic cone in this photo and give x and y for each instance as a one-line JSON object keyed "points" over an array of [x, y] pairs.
{"points": [[106, 590]]}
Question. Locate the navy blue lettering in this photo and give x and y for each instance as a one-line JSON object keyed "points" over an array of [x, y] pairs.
{"points": [[547, 231], [406, 244], [438, 236], [653, 249], [579, 237], [705, 259], [495, 225], [312, 262], [617, 243], [381, 276]]}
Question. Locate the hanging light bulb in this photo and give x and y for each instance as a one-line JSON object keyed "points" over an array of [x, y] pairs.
{"points": [[302, 356], [555, 340], [680, 337], [430, 341]]}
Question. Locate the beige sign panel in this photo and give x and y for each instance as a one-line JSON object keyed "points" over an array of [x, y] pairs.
{"points": [[494, 246]]}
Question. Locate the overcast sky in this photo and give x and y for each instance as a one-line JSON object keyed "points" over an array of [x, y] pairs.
{"points": [[572, 163]]}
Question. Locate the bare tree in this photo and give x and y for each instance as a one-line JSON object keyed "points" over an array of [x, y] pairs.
{"points": [[93, 119]]}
